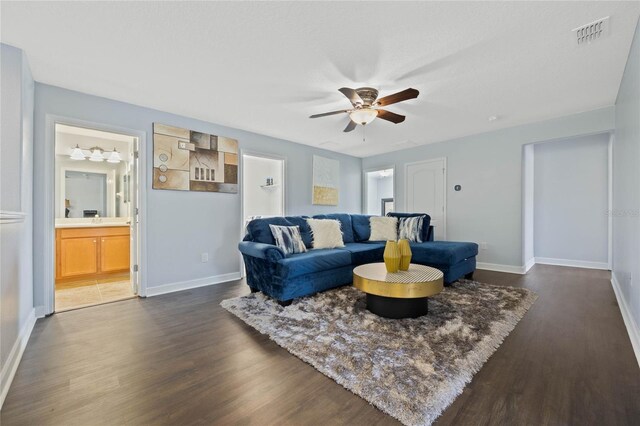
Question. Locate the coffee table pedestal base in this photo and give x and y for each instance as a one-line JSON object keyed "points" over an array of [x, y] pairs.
{"points": [[397, 308]]}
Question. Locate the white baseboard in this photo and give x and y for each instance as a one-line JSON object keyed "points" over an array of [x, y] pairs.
{"points": [[500, 268], [572, 263], [632, 326], [10, 367], [186, 285]]}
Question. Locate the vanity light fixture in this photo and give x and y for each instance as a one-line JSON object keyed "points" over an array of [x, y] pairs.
{"points": [[77, 154], [114, 157], [96, 155]]}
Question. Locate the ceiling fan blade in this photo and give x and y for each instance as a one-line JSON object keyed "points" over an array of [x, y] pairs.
{"points": [[324, 114], [390, 116], [352, 95], [398, 97], [352, 125]]}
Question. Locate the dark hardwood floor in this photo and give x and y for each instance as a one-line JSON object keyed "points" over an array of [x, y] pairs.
{"points": [[181, 359]]}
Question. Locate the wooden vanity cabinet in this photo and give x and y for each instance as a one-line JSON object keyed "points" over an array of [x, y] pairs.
{"points": [[91, 252]]}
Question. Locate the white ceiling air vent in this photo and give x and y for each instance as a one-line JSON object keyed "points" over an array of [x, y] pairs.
{"points": [[591, 32]]}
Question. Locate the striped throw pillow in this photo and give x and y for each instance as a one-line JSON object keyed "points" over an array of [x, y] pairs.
{"points": [[410, 228], [288, 238]]}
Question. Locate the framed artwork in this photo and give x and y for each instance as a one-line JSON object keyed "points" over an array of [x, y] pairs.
{"points": [[186, 160], [326, 181]]}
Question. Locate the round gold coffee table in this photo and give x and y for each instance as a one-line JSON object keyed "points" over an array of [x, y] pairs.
{"points": [[402, 294]]}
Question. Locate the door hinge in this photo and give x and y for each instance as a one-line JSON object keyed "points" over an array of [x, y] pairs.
{"points": [[137, 211], [135, 154], [135, 268]]}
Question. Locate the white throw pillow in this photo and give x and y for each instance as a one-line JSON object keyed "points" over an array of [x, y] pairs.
{"points": [[383, 228], [326, 233]]}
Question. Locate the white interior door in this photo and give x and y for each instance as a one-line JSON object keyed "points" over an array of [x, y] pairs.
{"points": [[425, 192]]}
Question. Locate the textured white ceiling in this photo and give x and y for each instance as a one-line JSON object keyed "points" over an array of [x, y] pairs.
{"points": [[267, 66]]}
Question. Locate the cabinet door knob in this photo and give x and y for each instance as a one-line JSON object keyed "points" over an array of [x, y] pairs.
{"points": [[94, 241]]}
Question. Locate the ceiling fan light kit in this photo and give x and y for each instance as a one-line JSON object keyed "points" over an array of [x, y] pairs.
{"points": [[365, 103], [363, 115]]}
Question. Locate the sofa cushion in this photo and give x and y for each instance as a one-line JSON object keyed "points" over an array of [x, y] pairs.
{"points": [[326, 233], [259, 232], [313, 261], [345, 224], [442, 252], [384, 229], [288, 238], [426, 222], [410, 228], [361, 227], [362, 253]]}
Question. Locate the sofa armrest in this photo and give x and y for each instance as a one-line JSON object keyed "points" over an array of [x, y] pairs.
{"points": [[261, 251], [430, 233]]}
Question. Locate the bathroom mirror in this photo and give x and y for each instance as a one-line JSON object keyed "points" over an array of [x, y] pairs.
{"points": [[92, 190], [85, 194]]}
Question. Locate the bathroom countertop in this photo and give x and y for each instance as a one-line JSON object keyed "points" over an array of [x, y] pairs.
{"points": [[90, 224]]}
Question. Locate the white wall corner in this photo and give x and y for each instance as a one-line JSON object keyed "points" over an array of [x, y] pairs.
{"points": [[529, 264], [186, 285], [40, 312], [13, 360], [510, 269], [632, 326]]}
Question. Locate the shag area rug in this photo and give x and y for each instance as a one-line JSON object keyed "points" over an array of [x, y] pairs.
{"points": [[412, 369]]}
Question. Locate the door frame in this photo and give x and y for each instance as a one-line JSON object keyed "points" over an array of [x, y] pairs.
{"points": [[365, 185], [285, 188], [444, 191], [528, 263], [49, 201]]}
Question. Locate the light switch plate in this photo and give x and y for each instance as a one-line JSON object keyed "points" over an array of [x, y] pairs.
{"points": [[204, 257]]}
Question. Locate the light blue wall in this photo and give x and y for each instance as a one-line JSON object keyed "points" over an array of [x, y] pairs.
{"points": [[182, 225], [489, 168], [571, 188], [16, 250], [626, 185]]}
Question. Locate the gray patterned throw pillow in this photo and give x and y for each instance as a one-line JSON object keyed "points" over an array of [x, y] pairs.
{"points": [[288, 238], [410, 228]]}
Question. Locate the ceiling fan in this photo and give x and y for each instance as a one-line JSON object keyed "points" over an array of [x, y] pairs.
{"points": [[365, 104]]}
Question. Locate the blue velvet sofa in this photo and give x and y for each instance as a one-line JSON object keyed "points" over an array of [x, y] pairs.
{"points": [[288, 277]]}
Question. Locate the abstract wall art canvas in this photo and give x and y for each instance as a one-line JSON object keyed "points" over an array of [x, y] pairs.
{"points": [[186, 160], [326, 181]]}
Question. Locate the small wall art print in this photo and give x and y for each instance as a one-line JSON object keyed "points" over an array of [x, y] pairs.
{"points": [[326, 181]]}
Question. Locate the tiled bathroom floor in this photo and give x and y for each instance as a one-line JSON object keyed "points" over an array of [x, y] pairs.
{"points": [[92, 292]]}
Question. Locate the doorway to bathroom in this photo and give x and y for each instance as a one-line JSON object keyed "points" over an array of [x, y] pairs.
{"points": [[95, 226]]}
